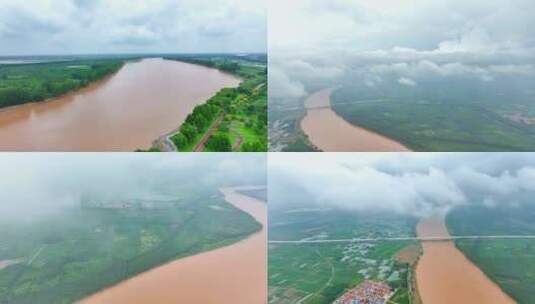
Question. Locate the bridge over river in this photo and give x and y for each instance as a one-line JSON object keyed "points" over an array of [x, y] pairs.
{"points": [[396, 239]]}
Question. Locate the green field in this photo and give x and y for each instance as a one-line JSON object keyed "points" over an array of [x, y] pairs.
{"points": [[62, 258], [23, 83], [445, 116], [236, 117], [510, 263], [320, 273]]}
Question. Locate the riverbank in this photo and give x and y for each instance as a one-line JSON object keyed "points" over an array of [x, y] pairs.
{"points": [[331, 133], [445, 275], [243, 124], [40, 82], [140, 102], [235, 273]]}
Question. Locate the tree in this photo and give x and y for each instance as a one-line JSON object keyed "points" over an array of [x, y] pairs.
{"points": [[256, 146], [219, 142], [188, 130], [180, 140]]}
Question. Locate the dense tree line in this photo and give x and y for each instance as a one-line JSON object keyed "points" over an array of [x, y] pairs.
{"points": [[197, 121], [36, 82]]}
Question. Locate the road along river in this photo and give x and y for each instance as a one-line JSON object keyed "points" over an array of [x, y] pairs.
{"points": [[331, 133], [123, 112], [232, 274], [444, 275]]}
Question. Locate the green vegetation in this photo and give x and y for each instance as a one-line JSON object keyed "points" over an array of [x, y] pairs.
{"points": [[320, 273], [23, 83], [509, 263], [452, 116], [62, 258], [235, 119]]}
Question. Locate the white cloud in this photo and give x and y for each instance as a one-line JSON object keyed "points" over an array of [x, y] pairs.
{"points": [[413, 39], [281, 86], [419, 184], [407, 82]]}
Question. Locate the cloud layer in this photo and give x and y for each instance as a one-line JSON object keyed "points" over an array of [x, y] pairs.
{"points": [[123, 26], [398, 41], [417, 184]]}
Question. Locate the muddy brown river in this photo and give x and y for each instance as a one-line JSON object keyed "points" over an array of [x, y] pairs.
{"points": [[444, 275], [124, 112], [331, 133], [232, 274]]}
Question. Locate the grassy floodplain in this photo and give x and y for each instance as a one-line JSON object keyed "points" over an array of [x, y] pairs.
{"points": [[509, 263], [320, 273], [235, 119], [35, 82], [102, 242]]}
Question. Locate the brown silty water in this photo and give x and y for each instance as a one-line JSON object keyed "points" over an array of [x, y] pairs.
{"points": [[123, 112], [331, 133], [232, 274], [444, 275]]}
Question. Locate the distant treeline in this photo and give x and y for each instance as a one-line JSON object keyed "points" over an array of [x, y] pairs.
{"points": [[21, 84], [224, 65]]}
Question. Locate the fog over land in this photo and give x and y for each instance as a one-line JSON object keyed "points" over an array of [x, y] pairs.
{"points": [[416, 184], [397, 43], [49, 27], [44, 184]]}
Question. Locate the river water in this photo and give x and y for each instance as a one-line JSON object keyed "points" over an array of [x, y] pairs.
{"points": [[123, 112], [233, 274], [331, 133], [444, 275]]}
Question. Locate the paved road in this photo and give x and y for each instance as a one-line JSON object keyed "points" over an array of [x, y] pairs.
{"points": [[424, 239]]}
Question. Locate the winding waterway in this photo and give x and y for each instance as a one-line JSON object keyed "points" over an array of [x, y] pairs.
{"points": [[444, 275], [123, 112], [331, 133], [232, 274]]}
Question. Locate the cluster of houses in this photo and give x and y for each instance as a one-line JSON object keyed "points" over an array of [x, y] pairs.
{"points": [[368, 292]]}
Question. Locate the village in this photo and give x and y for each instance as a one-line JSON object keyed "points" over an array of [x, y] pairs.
{"points": [[368, 292]]}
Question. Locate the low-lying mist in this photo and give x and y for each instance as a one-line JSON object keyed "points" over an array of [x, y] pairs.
{"points": [[45, 184], [421, 184]]}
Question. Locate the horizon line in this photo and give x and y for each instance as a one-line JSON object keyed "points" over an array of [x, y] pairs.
{"points": [[139, 53]]}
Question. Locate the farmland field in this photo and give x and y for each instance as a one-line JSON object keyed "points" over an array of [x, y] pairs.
{"points": [[319, 273]]}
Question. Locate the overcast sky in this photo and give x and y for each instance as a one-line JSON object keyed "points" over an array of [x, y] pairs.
{"points": [[315, 40], [131, 26], [419, 184]]}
